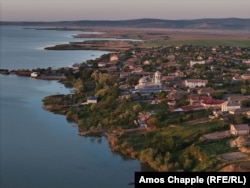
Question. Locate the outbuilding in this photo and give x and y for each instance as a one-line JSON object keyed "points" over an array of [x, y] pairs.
{"points": [[239, 129]]}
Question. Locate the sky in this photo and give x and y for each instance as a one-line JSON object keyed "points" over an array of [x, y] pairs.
{"points": [[66, 10]]}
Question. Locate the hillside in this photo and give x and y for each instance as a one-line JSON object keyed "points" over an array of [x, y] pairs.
{"points": [[225, 23]]}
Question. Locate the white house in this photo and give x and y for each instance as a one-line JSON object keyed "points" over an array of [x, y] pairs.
{"points": [[102, 64], [34, 74], [192, 63], [91, 99], [113, 57], [192, 83]]}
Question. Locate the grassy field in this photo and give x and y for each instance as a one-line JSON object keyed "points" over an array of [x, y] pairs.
{"points": [[156, 37], [201, 42], [153, 37]]}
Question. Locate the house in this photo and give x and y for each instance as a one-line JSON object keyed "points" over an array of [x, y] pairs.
{"points": [[243, 110], [189, 108], [200, 62], [91, 100], [236, 97], [172, 64], [171, 102], [233, 102], [137, 70], [76, 66], [212, 103], [142, 119], [113, 57], [239, 129], [146, 62], [206, 91], [34, 74], [246, 76], [130, 64], [246, 61], [179, 73], [210, 59], [237, 78], [124, 74], [192, 83], [198, 99], [230, 105], [168, 79], [141, 123], [110, 69], [102, 64]]}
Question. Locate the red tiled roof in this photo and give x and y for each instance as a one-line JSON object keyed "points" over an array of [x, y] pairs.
{"points": [[192, 107], [212, 102]]}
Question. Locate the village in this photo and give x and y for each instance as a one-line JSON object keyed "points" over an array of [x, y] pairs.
{"points": [[183, 84], [214, 78]]}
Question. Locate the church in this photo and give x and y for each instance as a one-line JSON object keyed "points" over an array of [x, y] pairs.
{"points": [[150, 85]]}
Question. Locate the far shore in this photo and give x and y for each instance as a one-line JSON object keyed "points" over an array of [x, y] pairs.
{"points": [[148, 37]]}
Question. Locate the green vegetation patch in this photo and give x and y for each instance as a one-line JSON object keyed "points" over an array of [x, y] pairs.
{"points": [[173, 148]]}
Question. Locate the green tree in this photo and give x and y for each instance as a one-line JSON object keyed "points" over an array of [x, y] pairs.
{"points": [[79, 87], [162, 94], [245, 103]]}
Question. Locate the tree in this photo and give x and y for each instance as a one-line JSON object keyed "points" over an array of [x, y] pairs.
{"points": [[162, 94], [137, 108], [152, 122], [79, 87], [241, 119], [245, 103], [217, 95], [183, 101]]}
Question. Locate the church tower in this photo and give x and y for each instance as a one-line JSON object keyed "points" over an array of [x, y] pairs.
{"points": [[157, 78]]}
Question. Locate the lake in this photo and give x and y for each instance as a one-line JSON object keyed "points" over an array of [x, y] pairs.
{"points": [[38, 148]]}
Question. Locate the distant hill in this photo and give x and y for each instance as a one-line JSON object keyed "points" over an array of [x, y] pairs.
{"points": [[224, 23]]}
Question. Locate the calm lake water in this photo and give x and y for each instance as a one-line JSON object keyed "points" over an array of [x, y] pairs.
{"points": [[24, 49], [40, 149]]}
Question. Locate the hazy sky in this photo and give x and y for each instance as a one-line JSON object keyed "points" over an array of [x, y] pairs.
{"points": [[58, 10]]}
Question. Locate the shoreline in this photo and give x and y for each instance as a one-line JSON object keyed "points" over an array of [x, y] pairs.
{"points": [[27, 73], [102, 45], [111, 136]]}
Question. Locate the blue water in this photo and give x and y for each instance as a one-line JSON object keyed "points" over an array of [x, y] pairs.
{"points": [[24, 49], [40, 149]]}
